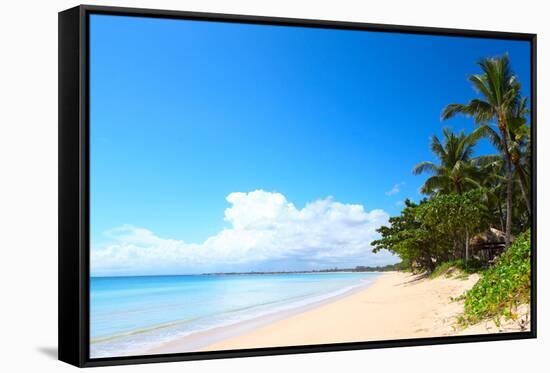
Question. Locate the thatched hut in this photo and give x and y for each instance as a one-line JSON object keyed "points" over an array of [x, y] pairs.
{"points": [[488, 245]]}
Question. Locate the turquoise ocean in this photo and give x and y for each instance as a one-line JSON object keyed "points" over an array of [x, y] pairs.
{"points": [[128, 315]]}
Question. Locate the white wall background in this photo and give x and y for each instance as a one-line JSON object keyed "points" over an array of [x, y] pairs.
{"points": [[28, 183]]}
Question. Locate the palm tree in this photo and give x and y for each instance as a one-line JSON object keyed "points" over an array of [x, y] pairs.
{"points": [[519, 147], [500, 88], [456, 171], [492, 183]]}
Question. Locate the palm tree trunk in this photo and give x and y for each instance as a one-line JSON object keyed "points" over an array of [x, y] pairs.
{"points": [[509, 178], [467, 246], [509, 183], [500, 214], [523, 187]]}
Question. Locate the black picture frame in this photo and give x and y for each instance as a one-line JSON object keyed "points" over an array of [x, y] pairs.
{"points": [[74, 184]]}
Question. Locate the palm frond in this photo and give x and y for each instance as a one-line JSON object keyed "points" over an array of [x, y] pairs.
{"points": [[434, 184], [481, 85], [423, 167], [437, 148], [452, 109], [487, 160], [478, 109], [492, 135], [468, 181]]}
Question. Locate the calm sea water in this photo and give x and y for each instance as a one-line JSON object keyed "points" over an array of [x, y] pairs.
{"points": [[129, 314]]}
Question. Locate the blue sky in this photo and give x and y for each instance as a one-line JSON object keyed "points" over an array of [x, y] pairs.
{"points": [[184, 113]]}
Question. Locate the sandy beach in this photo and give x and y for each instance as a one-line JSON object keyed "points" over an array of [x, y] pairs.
{"points": [[397, 306]]}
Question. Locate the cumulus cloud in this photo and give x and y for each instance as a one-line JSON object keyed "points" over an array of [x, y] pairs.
{"points": [[266, 232], [395, 189]]}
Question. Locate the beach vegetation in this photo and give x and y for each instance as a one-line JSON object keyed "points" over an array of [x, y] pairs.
{"points": [[502, 288], [406, 237], [468, 194], [499, 103], [457, 171], [480, 199], [434, 231], [457, 268]]}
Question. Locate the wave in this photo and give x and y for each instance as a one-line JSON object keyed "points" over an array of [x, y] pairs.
{"points": [[141, 339]]}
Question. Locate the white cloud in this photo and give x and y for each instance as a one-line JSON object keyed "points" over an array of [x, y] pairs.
{"points": [[267, 232], [396, 189]]}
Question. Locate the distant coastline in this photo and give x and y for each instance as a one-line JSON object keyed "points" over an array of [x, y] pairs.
{"points": [[357, 269], [386, 268]]}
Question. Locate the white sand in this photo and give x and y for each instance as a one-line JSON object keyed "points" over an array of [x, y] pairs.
{"points": [[397, 306]]}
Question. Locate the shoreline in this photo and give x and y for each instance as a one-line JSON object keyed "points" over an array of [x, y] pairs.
{"points": [[395, 305], [199, 341]]}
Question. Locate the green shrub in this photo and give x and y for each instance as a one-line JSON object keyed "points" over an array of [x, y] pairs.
{"points": [[459, 268], [503, 287], [443, 269]]}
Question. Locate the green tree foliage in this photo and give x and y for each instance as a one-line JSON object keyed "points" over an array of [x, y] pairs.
{"points": [[434, 231], [520, 148], [456, 217], [407, 238], [500, 90], [456, 171]]}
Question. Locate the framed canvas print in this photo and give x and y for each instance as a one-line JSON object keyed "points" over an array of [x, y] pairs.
{"points": [[239, 186]]}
